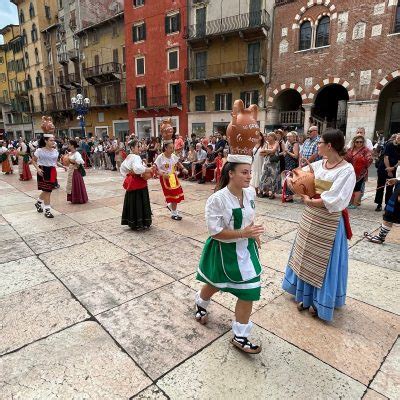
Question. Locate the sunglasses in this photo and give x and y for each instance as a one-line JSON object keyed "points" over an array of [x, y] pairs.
{"points": [[359, 141]]}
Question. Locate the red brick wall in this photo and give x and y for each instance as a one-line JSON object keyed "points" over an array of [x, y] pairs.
{"points": [[155, 49], [380, 54]]}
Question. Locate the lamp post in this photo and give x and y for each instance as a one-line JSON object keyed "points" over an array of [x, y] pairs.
{"points": [[81, 107]]}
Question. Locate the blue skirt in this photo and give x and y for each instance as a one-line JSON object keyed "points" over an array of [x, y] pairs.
{"points": [[332, 294]]}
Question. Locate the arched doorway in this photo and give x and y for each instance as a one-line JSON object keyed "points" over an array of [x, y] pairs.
{"points": [[330, 107], [388, 115], [288, 104]]}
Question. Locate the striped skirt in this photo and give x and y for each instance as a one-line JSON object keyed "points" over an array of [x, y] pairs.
{"points": [[47, 182]]}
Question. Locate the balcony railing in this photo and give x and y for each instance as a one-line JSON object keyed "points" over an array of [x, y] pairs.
{"points": [[235, 23], [69, 80], [103, 69], [225, 70], [62, 58], [283, 2], [73, 54], [291, 117], [157, 103]]}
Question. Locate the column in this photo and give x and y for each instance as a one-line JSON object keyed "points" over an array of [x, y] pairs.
{"points": [[307, 115]]}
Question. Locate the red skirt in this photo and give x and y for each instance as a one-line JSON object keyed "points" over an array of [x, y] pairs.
{"points": [[48, 180], [172, 195], [26, 172], [78, 193], [6, 166]]}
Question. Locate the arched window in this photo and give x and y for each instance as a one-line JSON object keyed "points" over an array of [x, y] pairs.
{"points": [[41, 99], [34, 33], [26, 59], [21, 17], [24, 37], [39, 82], [36, 55], [305, 35], [31, 10], [29, 83], [397, 20], [32, 104], [322, 36]]}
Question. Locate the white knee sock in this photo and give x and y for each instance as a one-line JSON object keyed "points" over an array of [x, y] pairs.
{"points": [[242, 330], [200, 302], [40, 201]]}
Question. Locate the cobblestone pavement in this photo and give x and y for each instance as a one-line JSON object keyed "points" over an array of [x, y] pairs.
{"points": [[92, 310]]}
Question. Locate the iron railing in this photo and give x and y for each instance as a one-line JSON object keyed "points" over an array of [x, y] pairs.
{"points": [[158, 103], [73, 54], [240, 22], [283, 2], [230, 69], [103, 69], [291, 117], [62, 58]]}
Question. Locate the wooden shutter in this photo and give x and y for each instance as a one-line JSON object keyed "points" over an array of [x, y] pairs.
{"points": [[145, 96], [217, 102], [144, 31], [134, 34], [166, 24], [254, 97], [229, 100], [178, 21], [137, 97], [243, 97]]}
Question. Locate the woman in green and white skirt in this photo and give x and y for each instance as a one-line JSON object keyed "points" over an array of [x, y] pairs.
{"points": [[230, 260]]}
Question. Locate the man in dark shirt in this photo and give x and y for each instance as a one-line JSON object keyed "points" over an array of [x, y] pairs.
{"points": [[221, 143], [387, 170], [208, 164]]}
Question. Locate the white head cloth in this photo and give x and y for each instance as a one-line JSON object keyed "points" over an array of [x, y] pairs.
{"points": [[240, 159]]}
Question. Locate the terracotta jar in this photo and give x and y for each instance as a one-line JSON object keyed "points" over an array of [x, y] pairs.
{"points": [[167, 130], [243, 131], [303, 182], [47, 125]]}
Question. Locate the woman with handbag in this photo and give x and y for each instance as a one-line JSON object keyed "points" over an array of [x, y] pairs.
{"points": [[316, 273], [136, 212], [361, 158], [291, 154], [269, 182], [258, 161], [76, 189]]}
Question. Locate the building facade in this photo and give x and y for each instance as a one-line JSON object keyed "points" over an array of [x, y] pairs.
{"points": [[337, 62], [156, 59], [229, 45]]}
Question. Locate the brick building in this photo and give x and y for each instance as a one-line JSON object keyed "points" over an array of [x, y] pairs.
{"points": [[156, 58], [337, 61]]}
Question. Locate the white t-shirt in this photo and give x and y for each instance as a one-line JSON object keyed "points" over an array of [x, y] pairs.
{"points": [[76, 157], [166, 165], [47, 158]]}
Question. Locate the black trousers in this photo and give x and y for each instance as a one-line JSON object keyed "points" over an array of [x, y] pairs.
{"points": [[382, 177], [112, 159]]}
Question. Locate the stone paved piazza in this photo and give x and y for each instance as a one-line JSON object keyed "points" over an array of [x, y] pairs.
{"points": [[92, 310]]}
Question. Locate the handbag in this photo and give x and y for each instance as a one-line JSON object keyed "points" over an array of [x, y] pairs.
{"points": [[81, 170], [303, 182], [274, 158]]}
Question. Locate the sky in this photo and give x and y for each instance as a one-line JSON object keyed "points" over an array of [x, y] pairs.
{"points": [[8, 14]]}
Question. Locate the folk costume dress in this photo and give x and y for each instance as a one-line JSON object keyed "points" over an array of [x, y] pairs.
{"points": [[76, 189], [231, 265], [47, 162], [392, 209], [6, 165], [136, 212], [317, 270], [23, 163], [171, 186]]}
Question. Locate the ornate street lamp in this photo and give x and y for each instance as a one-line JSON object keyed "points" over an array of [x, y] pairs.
{"points": [[81, 107]]}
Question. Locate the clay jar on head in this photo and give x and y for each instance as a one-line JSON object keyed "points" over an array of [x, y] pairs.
{"points": [[167, 130], [243, 130]]}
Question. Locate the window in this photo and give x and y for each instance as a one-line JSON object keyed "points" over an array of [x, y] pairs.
{"points": [[39, 82], [305, 36], [138, 3], [41, 99], [249, 98], [172, 23], [115, 56], [397, 20], [21, 17], [139, 32], [28, 83], [140, 68], [199, 128], [47, 12], [200, 103], [2, 77], [31, 10], [173, 56], [34, 34], [141, 97], [36, 55], [322, 36], [115, 31], [100, 117], [49, 57], [24, 37], [26, 59], [253, 57], [201, 65], [175, 94], [32, 103], [60, 4], [223, 101], [95, 36]]}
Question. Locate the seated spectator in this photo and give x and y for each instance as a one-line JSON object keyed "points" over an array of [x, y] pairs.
{"points": [[208, 164], [201, 156], [191, 158]]}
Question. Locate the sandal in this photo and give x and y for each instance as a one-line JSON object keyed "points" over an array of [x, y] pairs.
{"points": [[313, 311], [39, 207], [176, 217], [201, 315], [48, 214], [300, 307], [373, 238], [245, 345]]}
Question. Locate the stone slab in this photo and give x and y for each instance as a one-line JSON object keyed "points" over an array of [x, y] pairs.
{"points": [[82, 256], [158, 329], [280, 371], [14, 249], [372, 395], [275, 254], [36, 312], [94, 215], [274, 227], [22, 274], [189, 226], [109, 285], [80, 362], [151, 393], [7, 232], [348, 343]]}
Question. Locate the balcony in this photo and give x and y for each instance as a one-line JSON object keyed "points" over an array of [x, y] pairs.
{"points": [[283, 2], [73, 55], [157, 104], [69, 81], [62, 58], [4, 100], [105, 96], [253, 22], [291, 117], [234, 69], [103, 73], [21, 93]]}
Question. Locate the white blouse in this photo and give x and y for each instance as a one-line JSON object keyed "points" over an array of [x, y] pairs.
{"points": [[166, 165], [132, 163], [219, 214], [76, 157], [46, 158], [3, 149], [343, 180]]}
